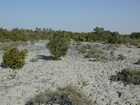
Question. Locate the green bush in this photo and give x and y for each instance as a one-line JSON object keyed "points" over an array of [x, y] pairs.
{"points": [[68, 95], [58, 45], [14, 58], [128, 76]]}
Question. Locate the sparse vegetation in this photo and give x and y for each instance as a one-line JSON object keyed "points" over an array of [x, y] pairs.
{"points": [[95, 53], [83, 83], [83, 49], [127, 76], [58, 46], [24, 43], [91, 51], [32, 42], [129, 51], [88, 46], [121, 57], [14, 58], [68, 95], [111, 47], [112, 53], [34, 60], [8, 45]]}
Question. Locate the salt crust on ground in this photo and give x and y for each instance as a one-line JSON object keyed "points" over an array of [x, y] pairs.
{"points": [[35, 77]]}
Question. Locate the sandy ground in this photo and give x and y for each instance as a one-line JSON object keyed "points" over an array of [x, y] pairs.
{"points": [[74, 69]]}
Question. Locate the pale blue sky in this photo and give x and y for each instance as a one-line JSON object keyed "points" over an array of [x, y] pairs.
{"points": [[71, 15]]}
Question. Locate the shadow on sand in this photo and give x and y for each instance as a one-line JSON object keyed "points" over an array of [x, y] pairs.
{"points": [[46, 57], [136, 63]]}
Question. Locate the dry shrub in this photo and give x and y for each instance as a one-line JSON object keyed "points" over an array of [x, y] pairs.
{"points": [[68, 95], [127, 76]]}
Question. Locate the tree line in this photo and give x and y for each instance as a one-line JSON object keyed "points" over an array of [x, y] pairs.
{"points": [[98, 34]]}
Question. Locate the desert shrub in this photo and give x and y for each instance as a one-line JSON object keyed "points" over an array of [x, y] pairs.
{"points": [[14, 58], [58, 45], [82, 49], [134, 42], [68, 95], [110, 47], [121, 57], [88, 46], [95, 53], [128, 76]]}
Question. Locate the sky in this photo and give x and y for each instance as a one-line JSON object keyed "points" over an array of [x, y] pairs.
{"points": [[71, 15]]}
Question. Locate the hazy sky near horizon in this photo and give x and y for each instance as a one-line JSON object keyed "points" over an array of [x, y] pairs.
{"points": [[71, 15]]}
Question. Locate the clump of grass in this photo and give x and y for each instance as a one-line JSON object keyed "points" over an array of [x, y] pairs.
{"points": [[127, 76], [121, 57], [68, 95]]}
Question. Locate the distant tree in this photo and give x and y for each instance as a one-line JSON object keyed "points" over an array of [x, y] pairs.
{"points": [[115, 38], [99, 31], [135, 35]]}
